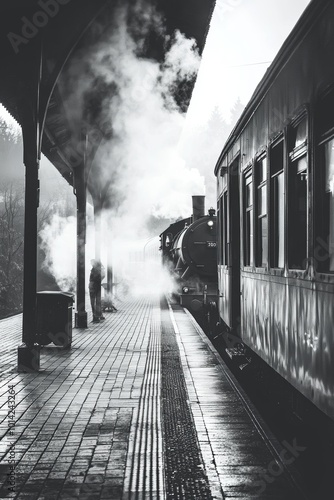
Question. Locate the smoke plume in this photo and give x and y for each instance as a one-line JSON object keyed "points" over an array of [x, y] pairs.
{"points": [[140, 167]]}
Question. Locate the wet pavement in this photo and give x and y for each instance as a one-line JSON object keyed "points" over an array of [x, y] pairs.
{"points": [[91, 424]]}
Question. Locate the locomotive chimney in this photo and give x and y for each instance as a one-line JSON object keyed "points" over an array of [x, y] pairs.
{"points": [[198, 207]]}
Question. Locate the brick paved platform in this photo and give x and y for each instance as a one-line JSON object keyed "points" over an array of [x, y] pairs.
{"points": [[76, 420], [88, 425]]}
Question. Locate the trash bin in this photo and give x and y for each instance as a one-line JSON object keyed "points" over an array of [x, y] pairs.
{"points": [[54, 318]]}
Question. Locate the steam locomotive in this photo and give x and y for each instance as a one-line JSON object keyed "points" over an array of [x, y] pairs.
{"points": [[189, 250], [276, 216]]}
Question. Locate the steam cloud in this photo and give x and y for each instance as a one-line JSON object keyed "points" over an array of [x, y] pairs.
{"points": [[57, 236], [141, 162]]}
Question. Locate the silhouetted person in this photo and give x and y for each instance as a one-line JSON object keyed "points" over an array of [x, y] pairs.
{"points": [[96, 276]]}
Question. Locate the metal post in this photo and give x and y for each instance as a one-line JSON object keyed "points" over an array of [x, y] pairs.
{"points": [[110, 277], [98, 222], [80, 185], [30, 253], [29, 351], [28, 354]]}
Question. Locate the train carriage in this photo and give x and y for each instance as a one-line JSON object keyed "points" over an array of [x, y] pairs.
{"points": [[275, 179]]}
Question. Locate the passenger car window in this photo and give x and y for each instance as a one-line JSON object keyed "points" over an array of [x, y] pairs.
{"points": [[248, 219], [261, 212], [297, 195], [277, 205]]}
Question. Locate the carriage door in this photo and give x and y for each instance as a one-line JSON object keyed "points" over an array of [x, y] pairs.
{"points": [[235, 244]]}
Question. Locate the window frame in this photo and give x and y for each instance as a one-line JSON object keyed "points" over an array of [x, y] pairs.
{"points": [[262, 155], [323, 137], [223, 229], [280, 140], [248, 173], [294, 155]]}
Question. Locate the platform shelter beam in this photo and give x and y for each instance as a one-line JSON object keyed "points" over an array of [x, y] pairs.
{"points": [[80, 188]]}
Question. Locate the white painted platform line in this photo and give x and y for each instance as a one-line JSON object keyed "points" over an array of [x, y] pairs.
{"points": [[144, 478]]}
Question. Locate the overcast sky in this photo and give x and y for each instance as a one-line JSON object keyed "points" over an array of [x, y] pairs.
{"points": [[244, 37], [243, 33]]}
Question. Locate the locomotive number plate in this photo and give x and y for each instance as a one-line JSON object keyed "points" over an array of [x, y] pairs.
{"points": [[211, 244]]}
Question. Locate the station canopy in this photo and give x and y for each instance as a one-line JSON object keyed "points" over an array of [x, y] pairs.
{"points": [[41, 44]]}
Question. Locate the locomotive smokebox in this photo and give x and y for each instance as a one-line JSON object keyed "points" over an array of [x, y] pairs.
{"points": [[198, 207]]}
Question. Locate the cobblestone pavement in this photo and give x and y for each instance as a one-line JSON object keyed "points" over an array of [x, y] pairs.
{"points": [[88, 425], [75, 418]]}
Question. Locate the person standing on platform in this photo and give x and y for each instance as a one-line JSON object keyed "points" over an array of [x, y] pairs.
{"points": [[96, 276]]}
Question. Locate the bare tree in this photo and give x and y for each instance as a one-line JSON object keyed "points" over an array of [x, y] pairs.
{"points": [[44, 215], [11, 245]]}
